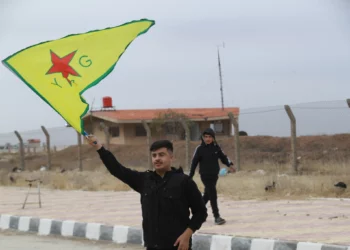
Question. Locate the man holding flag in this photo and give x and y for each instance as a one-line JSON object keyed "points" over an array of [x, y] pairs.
{"points": [[167, 195]]}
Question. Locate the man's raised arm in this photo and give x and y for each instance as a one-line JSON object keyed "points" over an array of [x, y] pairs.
{"points": [[130, 177]]}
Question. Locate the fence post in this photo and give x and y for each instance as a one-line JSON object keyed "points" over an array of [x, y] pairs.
{"points": [[187, 145], [47, 147], [21, 150], [348, 102], [293, 135], [107, 137], [234, 121], [149, 138], [80, 162]]}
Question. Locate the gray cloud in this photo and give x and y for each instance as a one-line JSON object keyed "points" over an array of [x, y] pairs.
{"points": [[276, 52]]}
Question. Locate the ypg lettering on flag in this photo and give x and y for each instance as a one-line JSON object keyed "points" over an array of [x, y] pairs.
{"points": [[61, 65]]}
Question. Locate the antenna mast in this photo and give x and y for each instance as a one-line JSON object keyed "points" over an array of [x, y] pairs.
{"points": [[220, 75]]}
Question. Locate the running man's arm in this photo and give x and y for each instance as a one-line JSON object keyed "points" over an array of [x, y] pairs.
{"points": [[195, 161], [224, 158]]}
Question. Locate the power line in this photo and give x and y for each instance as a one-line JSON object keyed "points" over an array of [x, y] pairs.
{"points": [[312, 108], [313, 102], [279, 109], [264, 111]]}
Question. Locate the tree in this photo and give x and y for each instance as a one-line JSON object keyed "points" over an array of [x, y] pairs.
{"points": [[168, 123]]}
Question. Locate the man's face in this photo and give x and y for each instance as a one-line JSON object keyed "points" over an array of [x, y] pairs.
{"points": [[208, 139], [161, 159]]}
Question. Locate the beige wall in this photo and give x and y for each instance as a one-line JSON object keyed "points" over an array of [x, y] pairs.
{"points": [[203, 125], [130, 136], [121, 138], [127, 131], [136, 140], [226, 127], [99, 132]]}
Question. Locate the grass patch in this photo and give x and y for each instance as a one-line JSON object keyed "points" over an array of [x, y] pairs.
{"points": [[313, 180]]}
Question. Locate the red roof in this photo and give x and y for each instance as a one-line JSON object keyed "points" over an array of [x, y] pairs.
{"points": [[149, 114]]}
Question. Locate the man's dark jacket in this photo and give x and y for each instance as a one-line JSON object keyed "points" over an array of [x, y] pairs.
{"points": [[165, 201], [207, 155]]}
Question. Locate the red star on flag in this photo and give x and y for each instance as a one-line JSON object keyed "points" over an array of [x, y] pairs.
{"points": [[61, 65]]}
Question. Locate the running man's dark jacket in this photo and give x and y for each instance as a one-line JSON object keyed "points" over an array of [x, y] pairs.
{"points": [[165, 202], [207, 155]]}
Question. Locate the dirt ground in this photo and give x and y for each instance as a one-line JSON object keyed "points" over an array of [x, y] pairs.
{"points": [[254, 150]]}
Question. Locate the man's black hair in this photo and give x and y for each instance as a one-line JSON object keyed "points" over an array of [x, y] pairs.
{"points": [[161, 144]]}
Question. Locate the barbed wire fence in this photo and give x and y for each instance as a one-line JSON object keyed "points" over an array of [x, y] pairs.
{"points": [[272, 120], [313, 118]]}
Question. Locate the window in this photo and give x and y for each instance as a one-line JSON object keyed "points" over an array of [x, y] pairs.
{"points": [[218, 127], [172, 128], [114, 131], [140, 130]]}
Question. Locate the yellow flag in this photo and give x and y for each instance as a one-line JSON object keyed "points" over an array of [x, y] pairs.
{"points": [[59, 71]]}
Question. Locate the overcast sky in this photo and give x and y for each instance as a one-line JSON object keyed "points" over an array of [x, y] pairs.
{"points": [[276, 52]]}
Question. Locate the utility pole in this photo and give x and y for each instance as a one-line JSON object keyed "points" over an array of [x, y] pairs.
{"points": [[220, 75]]}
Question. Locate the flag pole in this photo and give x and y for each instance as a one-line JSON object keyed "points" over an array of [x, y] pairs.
{"points": [[85, 134]]}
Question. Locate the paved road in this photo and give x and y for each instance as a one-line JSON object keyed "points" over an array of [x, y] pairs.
{"points": [[19, 241], [324, 221]]}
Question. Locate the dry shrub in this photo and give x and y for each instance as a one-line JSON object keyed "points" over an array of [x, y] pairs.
{"points": [[249, 186], [313, 180], [4, 177], [97, 180]]}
